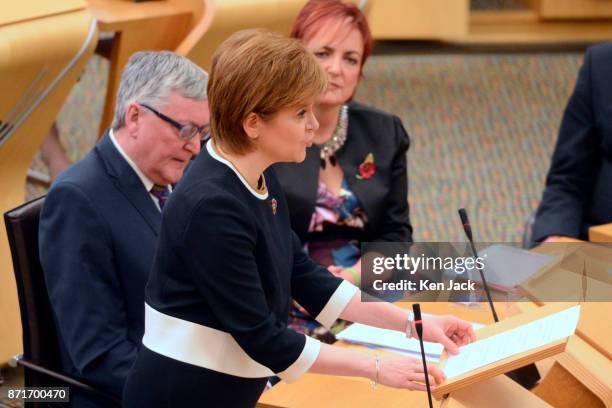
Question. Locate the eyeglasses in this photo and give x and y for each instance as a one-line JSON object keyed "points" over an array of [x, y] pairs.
{"points": [[186, 132]]}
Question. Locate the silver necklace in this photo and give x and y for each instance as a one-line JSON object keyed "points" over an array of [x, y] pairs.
{"points": [[337, 140]]}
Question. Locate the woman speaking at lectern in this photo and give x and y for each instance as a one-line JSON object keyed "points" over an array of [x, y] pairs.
{"points": [[228, 262]]}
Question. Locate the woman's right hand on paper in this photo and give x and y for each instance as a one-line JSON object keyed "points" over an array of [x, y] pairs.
{"points": [[406, 372]]}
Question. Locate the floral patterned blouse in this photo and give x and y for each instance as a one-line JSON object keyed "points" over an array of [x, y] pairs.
{"points": [[343, 209]]}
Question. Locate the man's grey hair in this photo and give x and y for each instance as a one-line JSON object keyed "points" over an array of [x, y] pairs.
{"points": [[152, 76]]}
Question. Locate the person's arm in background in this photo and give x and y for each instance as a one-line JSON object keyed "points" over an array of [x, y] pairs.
{"points": [[77, 256], [396, 225], [575, 160]]}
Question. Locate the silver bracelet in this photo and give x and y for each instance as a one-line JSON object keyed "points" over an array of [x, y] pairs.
{"points": [[374, 382], [409, 331]]}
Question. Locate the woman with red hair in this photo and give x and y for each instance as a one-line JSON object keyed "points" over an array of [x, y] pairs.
{"points": [[353, 185]]}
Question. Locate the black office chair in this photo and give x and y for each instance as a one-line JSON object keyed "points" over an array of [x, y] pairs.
{"points": [[41, 353]]}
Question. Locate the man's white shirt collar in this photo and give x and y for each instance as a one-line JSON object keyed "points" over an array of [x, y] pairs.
{"points": [[148, 184]]}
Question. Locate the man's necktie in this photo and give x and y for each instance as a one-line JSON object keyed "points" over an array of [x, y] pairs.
{"points": [[161, 193]]}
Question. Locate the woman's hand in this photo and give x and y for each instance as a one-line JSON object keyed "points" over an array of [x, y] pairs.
{"points": [[448, 330], [336, 270], [553, 238], [342, 273], [407, 373]]}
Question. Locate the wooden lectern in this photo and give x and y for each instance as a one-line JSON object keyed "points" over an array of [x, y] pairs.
{"points": [[43, 48], [601, 233], [581, 376], [349, 392]]}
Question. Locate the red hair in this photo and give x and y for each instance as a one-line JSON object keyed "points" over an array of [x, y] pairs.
{"points": [[315, 13]]}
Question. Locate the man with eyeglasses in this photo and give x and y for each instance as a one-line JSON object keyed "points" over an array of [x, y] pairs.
{"points": [[101, 218]]}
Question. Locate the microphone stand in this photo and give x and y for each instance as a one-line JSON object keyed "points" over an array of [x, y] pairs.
{"points": [[468, 232], [526, 376], [418, 324]]}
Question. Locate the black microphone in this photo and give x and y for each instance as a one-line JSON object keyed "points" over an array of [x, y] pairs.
{"points": [[418, 324], [466, 223], [468, 232], [527, 376]]}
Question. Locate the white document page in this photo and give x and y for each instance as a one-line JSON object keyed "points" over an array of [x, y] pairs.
{"points": [[391, 339], [509, 343]]}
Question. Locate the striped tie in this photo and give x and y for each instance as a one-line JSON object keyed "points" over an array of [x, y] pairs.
{"points": [[161, 193]]}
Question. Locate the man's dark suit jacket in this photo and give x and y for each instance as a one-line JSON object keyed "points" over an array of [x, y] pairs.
{"points": [[578, 191], [384, 196], [98, 234]]}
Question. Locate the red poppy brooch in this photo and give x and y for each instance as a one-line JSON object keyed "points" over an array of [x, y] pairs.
{"points": [[367, 168]]}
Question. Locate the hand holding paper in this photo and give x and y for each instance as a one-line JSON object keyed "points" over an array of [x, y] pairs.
{"points": [[448, 331]]}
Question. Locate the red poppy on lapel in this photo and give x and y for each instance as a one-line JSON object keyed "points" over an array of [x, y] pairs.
{"points": [[274, 205], [367, 168]]}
